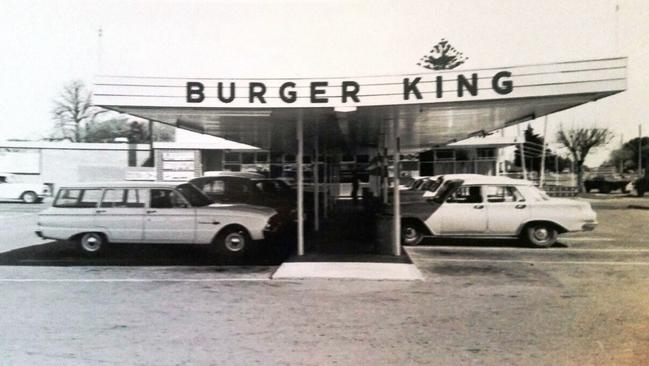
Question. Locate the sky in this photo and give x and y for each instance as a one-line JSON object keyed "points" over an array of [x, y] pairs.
{"points": [[45, 44]]}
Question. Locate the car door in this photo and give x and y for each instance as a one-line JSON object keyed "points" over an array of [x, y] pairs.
{"points": [[169, 218], [506, 209], [463, 212], [121, 213]]}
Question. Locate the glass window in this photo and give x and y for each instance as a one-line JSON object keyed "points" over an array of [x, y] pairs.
{"points": [[166, 198], [67, 198], [123, 198], [248, 158], [232, 158], [503, 194], [78, 198], [193, 195], [486, 153], [262, 157], [232, 167], [214, 187], [444, 155], [466, 194]]}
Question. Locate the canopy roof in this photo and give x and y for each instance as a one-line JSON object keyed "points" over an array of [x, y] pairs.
{"points": [[346, 112]]}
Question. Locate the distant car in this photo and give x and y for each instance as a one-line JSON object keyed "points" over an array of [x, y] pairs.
{"points": [[236, 188], [96, 214], [494, 207], [13, 188], [606, 183], [641, 185]]}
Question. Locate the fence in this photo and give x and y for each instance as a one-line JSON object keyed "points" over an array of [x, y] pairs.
{"points": [[560, 191]]}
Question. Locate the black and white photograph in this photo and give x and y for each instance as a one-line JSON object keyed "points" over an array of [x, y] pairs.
{"points": [[324, 182]]}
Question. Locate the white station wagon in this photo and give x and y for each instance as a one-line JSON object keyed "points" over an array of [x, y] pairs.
{"points": [[492, 207], [95, 214]]}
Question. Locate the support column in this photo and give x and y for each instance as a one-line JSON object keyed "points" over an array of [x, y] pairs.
{"points": [[325, 196], [300, 183], [385, 182], [396, 198], [316, 182]]}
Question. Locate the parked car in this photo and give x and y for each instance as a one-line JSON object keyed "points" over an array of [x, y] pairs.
{"points": [[13, 188], [96, 214], [494, 207], [607, 183], [641, 185], [254, 190]]}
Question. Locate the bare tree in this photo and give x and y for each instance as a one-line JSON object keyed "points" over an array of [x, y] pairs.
{"points": [[73, 111], [580, 142]]}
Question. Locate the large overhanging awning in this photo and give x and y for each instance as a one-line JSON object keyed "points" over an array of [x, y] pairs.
{"points": [[345, 112]]}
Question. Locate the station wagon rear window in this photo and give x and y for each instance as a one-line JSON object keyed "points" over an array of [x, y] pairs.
{"points": [[77, 198]]}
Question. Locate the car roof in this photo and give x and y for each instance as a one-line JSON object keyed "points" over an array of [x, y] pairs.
{"points": [[232, 174], [123, 184], [487, 179]]}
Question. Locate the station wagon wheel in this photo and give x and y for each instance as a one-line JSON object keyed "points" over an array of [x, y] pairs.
{"points": [[29, 197], [541, 235], [233, 241], [411, 233], [92, 243]]}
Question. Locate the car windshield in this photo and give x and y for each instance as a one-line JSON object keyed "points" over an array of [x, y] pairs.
{"points": [[194, 195], [534, 193], [431, 185]]}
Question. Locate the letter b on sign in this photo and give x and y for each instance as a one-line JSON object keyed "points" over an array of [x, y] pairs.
{"points": [[195, 92]]}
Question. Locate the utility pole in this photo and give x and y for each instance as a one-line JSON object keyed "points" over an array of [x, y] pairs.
{"points": [[545, 132], [640, 170], [522, 148]]}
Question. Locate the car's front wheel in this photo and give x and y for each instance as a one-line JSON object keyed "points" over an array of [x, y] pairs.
{"points": [[541, 235], [29, 197], [411, 234], [640, 192], [92, 243], [233, 241]]}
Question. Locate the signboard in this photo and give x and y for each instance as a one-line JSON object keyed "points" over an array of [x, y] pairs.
{"points": [[140, 173], [178, 155], [177, 175], [439, 86], [178, 165]]}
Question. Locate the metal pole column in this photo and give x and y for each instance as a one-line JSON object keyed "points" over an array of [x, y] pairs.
{"points": [[316, 182], [522, 149], [396, 199], [325, 180], [545, 133], [385, 182], [300, 183]]}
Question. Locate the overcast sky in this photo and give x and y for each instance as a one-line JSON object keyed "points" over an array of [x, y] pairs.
{"points": [[47, 43]]}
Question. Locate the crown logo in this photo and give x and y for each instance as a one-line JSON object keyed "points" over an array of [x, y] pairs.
{"points": [[443, 56]]}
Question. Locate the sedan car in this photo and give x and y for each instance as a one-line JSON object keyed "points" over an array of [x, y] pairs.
{"points": [[494, 207], [96, 214], [13, 188], [254, 190]]}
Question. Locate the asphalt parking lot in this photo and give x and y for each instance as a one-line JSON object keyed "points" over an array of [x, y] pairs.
{"points": [[583, 302]]}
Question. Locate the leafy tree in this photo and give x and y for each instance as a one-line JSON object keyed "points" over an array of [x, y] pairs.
{"points": [[73, 111], [533, 146], [627, 155], [580, 142], [137, 132]]}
